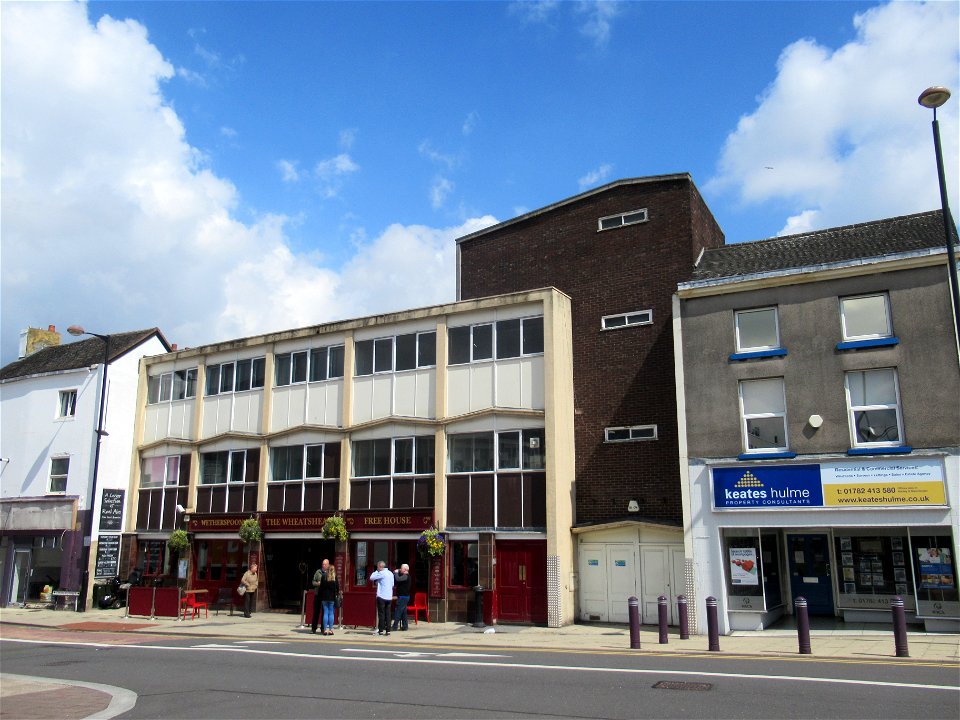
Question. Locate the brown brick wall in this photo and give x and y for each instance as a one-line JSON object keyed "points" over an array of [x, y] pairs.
{"points": [[621, 377]]}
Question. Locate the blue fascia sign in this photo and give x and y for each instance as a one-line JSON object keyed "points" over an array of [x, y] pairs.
{"points": [[767, 487]]}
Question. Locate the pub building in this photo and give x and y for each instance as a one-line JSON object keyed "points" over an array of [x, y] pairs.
{"points": [[457, 417]]}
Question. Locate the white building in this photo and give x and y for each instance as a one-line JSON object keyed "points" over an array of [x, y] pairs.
{"points": [[49, 413]]}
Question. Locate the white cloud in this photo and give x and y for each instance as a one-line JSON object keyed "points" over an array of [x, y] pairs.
{"points": [[600, 14], [330, 173], [427, 150], [470, 123], [595, 177], [439, 191], [229, 132], [534, 11], [288, 170], [838, 135], [111, 219], [347, 138]]}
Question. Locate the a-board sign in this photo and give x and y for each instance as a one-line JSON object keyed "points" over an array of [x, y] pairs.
{"points": [[111, 510], [108, 556]]}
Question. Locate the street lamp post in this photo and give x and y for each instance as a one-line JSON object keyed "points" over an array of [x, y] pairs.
{"points": [[77, 330], [934, 97]]}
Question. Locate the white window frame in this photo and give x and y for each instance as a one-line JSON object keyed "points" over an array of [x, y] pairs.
{"points": [[852, 410], [630, 319], [157, 384], [68, 404], [635, 433], [745, 417], [756, 348], [492, 324], [873, 336], [630, 217], [51, 476]]}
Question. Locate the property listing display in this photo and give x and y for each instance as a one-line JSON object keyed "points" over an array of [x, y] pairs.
{"points": [[935, 575], [752, 570], [874, 569], [836, 485]]}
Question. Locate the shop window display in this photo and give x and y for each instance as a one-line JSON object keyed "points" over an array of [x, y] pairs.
{"points": [[752, 570], [935, 575], [873, 569]]}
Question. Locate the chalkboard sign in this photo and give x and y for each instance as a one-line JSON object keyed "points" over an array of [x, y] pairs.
{"points": [[108, 556], [111, 510]]}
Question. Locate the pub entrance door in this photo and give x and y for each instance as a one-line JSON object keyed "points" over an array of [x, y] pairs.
{"points": [[522, 581]]}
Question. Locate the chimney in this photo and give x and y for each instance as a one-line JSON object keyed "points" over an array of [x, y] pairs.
{"points": [[34, 339], [173, 347]]}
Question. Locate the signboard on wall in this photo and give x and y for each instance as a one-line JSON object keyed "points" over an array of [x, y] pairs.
{"points": [[111, 510], [743, 566], [908, 482], [108, 556]]}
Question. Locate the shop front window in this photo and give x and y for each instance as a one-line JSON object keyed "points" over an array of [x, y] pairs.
{"points": [[874, 568], [151, 557], [464, 564], [935, 575], [751, 563]]}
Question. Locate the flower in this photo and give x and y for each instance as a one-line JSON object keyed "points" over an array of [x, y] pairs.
{"points": [[431, 542], [250, 531], [334, 527]]}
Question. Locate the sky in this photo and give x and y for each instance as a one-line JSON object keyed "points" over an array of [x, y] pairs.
{"points": [[224, 169]]}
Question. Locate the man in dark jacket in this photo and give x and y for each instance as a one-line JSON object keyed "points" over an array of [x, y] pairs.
{"points": [[401, 587]]}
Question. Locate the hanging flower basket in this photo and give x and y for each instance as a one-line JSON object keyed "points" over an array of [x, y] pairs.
{"points": [[432, 542], [250, 531], [334, 528], [179, 541]]}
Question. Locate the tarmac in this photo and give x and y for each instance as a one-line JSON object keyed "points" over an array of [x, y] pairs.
{"points": [[28, 698]]}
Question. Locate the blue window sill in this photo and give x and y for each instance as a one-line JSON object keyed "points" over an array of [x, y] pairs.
{"points": [[778, 352], [898, 450], [767, 456], [862, 344]]}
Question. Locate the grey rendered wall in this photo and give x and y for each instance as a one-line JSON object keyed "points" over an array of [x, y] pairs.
{"points": [[813, 369]]}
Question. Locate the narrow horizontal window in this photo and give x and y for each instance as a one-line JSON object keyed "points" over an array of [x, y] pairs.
{"points": [[633, 433], [640, 317], [628, 218]]}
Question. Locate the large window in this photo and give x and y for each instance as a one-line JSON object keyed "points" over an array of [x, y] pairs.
{"points": [[152, 557], [235, 376], [873, 406], [68, 403], [464, 564], [314, 365], [304, 477], [763, 414], [497, 480], [503, 339], [865, 317], [59, 469], [171, 386], [392, 473], [389, 354], [163, 486], [228, 481], [757, 329]]}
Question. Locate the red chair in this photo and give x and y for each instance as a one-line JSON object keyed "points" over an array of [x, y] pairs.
{"points": [[189, 602], [419, 605]]}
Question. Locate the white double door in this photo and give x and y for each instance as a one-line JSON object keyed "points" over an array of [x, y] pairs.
{"points": [[611, 573]]}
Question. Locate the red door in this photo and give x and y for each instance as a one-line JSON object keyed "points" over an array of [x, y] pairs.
{"points": [[522, 581]]}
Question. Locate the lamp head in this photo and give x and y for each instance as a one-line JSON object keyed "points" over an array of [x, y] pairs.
{"points": [[932, 97], [181, 508], [76, 330]]}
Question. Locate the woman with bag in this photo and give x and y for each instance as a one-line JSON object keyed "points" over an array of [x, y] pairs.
{"points": [[328, 590], [250, 581]]}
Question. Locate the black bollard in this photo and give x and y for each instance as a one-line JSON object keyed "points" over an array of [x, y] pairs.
{"points": [[713, 630], [803, 625], [478, 601], [899, 627], [662, 619], [682, 613], [633, 610]]}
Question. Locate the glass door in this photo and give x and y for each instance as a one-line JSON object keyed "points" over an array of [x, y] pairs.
{"points": [[810, 578], [21, 576]]}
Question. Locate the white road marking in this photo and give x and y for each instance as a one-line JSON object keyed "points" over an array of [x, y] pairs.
{"points": [[420, 653], [260, 642], [502, 665]]}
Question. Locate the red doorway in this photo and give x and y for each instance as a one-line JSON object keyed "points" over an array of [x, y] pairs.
{"points": [[522, 581]]}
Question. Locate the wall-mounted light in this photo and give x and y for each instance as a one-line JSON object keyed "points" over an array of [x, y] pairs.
{"points": [[633, 506], [815, 421]]}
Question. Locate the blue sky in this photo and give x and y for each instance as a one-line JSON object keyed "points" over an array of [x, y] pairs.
{"points": [[225, 169]]}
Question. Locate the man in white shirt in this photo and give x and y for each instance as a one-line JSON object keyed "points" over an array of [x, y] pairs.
{"points": [[384, 580]]}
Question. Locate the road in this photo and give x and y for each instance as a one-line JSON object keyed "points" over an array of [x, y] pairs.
{"points": [[177, 677]]}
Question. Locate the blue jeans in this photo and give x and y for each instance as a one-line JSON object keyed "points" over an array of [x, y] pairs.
{"points": [[329, 619], [400, 613]]}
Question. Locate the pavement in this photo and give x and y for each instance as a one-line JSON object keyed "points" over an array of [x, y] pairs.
{"points": [[23, 698]]}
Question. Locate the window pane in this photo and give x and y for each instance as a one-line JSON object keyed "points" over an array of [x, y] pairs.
{"points": [[314, 461], [459, 345], [636, 217], [762, 396], [244, 373], [615, 321], [288, 463], [236, 465], [425, 455], [406, 352], [508, 339], [151, 472], [362, 458], [865, 316], [643, 433], [213, 468], [173, 470], [153, 390], [191, 390], [483, 451], [403, 455], [299, 370], [873, 387], [258, 370], [364, 357], [607, 223], [331, 460], [426, 349], [381, 457], [226, 377], [765, 433], [213, 380], [166, 387], [318, 364], [757, 329], [615, 434], [482, 342], [533, 450], [336, 362], [638, 318], [179, 384], [876, 426], [282, 369], [461, 453], [383, 355], [508, 446], [533, 336], [379, 494]]}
